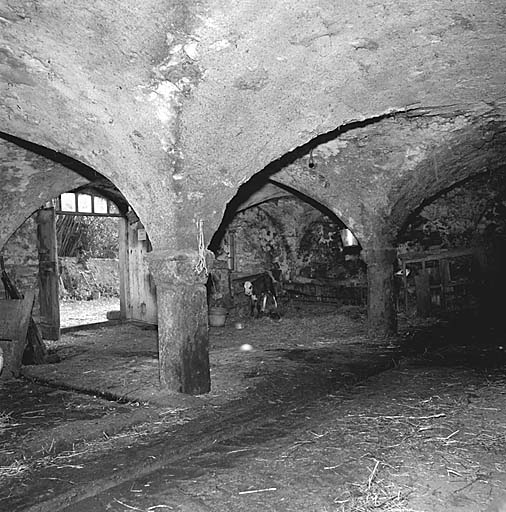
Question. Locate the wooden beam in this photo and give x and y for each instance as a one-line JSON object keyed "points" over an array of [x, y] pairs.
{"points": [[48, 274]]}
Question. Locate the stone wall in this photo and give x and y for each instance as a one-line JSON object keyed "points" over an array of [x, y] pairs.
{"points": [[88, 279], [472, 214], [268, 234], [289, 233], [21, 258], [303, 242]]}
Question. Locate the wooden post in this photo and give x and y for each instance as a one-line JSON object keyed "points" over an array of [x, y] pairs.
{"points": [[405, 280], [231, 250], [445, 282], [124, 278], [48, 274], [423, 303]]}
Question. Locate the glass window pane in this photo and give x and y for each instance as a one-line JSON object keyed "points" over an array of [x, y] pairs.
{"points": [[68, 202], [113, 208], [84, 203], [100, 204]]}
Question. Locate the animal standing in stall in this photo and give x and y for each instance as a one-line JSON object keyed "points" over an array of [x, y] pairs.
{"points": [[262, 291]]}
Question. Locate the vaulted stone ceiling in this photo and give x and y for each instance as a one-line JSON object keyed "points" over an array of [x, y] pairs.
{"points": [[179, 103], [26, 178]]}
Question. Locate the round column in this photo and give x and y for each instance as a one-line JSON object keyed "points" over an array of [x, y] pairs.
{"points": [[183, 337]]}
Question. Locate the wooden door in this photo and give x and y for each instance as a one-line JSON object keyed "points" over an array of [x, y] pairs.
{"points": [[138, 290]]}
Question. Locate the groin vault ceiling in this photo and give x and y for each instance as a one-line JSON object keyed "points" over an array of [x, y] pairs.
{"points": [[180, 103]]}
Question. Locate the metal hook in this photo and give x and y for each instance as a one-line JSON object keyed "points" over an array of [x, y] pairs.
{"points": [[311, 163]]}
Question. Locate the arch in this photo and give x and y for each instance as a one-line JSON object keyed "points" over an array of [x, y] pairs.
{"points": [[293, 173], [257, 191], [33, 175], [288, 232], [478, 149], [326, 204], [29, 181]]}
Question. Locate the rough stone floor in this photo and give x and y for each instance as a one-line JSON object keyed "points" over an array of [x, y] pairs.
{"points": [[316, 417]]}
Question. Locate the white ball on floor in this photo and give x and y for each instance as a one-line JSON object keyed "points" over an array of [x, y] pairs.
{"points": [[246, 348]]}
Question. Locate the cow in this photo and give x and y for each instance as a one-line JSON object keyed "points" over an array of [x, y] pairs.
{"points": [[261, 291]]}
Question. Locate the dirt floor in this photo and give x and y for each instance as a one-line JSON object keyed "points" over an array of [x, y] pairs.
{"points": [[316, 417], [81, 312]]}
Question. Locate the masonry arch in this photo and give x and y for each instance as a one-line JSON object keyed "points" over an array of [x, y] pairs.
{"points": [[33, 177], [449, 215], [269, 225], [34, 174], [456, 239], [478, 148]]}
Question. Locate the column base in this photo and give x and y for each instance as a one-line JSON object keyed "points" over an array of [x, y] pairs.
{"points": [[183, 336]]}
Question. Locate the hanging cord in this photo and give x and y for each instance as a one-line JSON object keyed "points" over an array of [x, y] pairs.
{"points": [[201, 265]]}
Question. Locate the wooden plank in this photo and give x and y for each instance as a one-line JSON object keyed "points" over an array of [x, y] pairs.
{"points": [[35, 352], [142, 290], [445, 283], [422, 283], [437, 255], [124, 278], [48, 274], [240, 278], [405, 279], [10, 311], [14, 338], [90, 214]]}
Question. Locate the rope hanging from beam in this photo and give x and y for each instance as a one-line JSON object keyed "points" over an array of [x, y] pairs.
{"points": [[201, 265]]}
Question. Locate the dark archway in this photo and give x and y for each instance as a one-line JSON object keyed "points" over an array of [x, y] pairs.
{"points": [[270, 226], [453, 247]]}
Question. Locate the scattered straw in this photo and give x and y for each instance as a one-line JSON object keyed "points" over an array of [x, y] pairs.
{"points": [[14, 469], [128, 506], [254, 491], [373, 474], [377, 496], [6, 421]]}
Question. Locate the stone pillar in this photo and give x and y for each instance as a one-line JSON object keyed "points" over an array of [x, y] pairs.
{"points": [[183, 337], [381, 313]]}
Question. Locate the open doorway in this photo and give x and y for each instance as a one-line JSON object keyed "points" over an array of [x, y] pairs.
{"points": [[85, 255], [87, 238], [103, 273]]}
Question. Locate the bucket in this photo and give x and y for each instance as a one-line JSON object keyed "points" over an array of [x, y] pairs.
{"points": [[217, 316]]}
